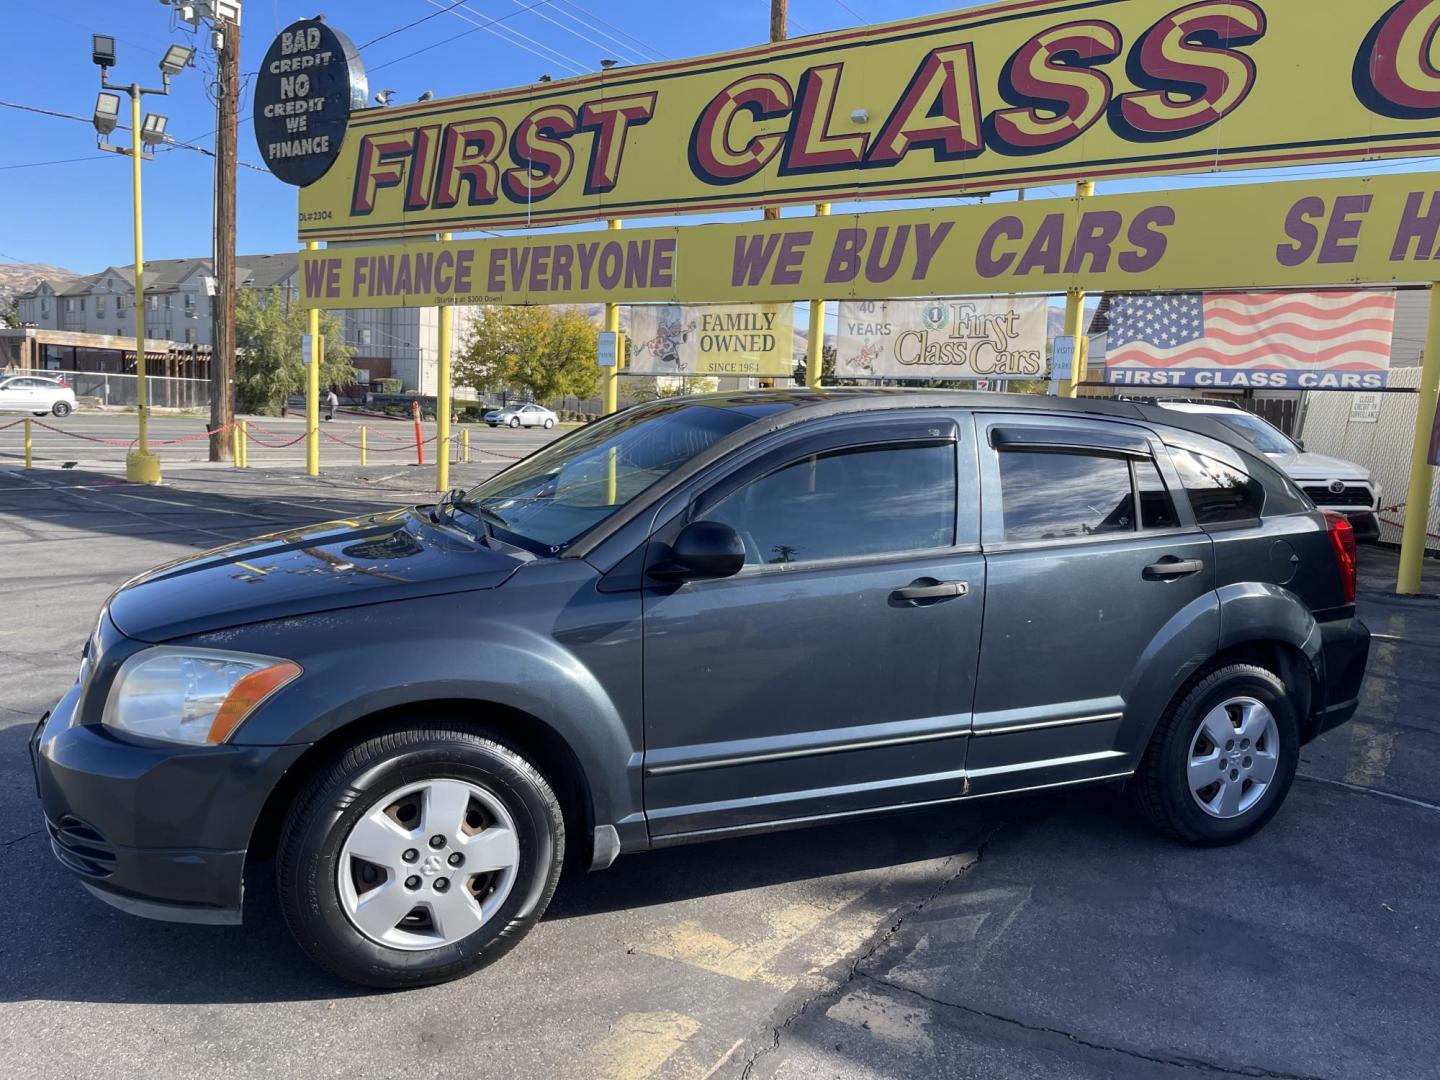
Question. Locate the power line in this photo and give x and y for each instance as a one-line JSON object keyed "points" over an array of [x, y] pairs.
{"points": [[462, 33], [175, 144], [59, 161], [408, 26], [851, 10], [651, 50], [635, 56], [489, 27]]}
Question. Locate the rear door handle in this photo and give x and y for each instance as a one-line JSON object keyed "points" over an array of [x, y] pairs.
{"points": [[1173, 568], [927, 591]]}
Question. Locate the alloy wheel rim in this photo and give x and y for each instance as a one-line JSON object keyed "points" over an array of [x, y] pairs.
{"points": [[1234, 755], [428, 864]]}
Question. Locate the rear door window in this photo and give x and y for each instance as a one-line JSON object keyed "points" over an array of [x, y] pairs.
{"points": [[1066, 494], [1220, 494]]}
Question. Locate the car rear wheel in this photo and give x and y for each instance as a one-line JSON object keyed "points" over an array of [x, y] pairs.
{"points": [[419, 856], [1222, 759], [61, 409]]}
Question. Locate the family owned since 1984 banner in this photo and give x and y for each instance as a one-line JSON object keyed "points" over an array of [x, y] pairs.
{"points": [[715, 339], [987, 338]]}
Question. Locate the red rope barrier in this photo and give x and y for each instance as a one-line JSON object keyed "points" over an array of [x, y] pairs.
{"points": [[1399, 524]]}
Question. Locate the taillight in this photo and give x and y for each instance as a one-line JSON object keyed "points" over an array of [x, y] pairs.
{"points": [[1342, 539]]}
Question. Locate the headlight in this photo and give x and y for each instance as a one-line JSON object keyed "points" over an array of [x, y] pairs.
{"points": [[197, 696]]}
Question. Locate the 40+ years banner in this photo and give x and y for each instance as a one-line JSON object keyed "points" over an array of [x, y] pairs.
{"points": [[1008, 94], [987, 338]]}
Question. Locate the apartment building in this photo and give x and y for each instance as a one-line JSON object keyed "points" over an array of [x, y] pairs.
{"points": [[388, 343]]}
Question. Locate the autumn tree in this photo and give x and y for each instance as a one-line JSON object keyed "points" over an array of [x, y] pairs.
{"points": [[542, 352], [268, 328]]}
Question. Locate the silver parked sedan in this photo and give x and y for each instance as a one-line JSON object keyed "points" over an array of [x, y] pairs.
{"points": [[522, 416]]}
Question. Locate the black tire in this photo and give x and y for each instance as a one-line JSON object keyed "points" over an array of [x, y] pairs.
{"points": [[1161, 787], [549, 424], [61, 409], [40, 414], [340, 794], [514, 421]]}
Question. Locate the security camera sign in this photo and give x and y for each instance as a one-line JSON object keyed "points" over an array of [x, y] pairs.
{"points": [[310, 80]]}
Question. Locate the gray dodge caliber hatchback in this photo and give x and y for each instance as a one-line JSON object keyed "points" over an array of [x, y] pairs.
{"points": [[700, 617]]}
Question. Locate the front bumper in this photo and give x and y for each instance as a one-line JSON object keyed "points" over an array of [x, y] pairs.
{"points": [[155, 829], [1345, 645]]}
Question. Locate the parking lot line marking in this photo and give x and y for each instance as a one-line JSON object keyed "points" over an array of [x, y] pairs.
{"points": [[1377, 792], [720, 1063], [688, 942], [1370, 752], [636, 1045]]}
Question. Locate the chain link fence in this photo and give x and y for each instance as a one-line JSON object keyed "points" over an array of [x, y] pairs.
{"points": [[101, 389], [1376, 431]]}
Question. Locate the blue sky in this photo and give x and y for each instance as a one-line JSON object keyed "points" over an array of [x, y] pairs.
{"points": [[77, 213]]}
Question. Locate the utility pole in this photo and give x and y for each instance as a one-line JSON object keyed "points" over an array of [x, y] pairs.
{"points": [[222, 348], [778, 21]]}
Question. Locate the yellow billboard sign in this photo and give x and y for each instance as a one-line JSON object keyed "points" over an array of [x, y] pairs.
{"points": [[1297, 234], [1014, 93]]}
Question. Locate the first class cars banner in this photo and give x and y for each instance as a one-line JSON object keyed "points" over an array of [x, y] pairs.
{"points": [[1009, 94], [1381, 230], [987, 338]]}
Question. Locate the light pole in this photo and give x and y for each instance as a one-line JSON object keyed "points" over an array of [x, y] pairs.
{"points": [[141, 466]]}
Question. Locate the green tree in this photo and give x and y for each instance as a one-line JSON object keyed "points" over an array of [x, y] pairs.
{"points": [[10, 313], [268, 328], [544, 352]]}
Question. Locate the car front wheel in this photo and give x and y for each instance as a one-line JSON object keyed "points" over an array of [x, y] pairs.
{"points": [[549, 424], [419, 856], [514, 421], [61, 409], [1222, 759]]}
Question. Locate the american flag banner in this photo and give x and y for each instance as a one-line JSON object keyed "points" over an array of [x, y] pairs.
{"points": [[1264, 340]]}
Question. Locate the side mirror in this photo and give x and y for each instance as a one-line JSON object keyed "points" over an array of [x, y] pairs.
{"points": [[704, 550], [1301, 444]]}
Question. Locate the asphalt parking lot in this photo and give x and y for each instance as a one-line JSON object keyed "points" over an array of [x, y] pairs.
{"points": [[1007, 938]]}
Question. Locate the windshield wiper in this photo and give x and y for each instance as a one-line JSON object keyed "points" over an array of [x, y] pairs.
{"points": [[444, 511]]}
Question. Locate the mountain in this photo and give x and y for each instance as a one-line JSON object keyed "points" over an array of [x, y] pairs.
{"points": [[17, 277]]}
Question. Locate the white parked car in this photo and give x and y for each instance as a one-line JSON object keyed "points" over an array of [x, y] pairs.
{"points": [[522, 416], [36, 394], [1332, 483]]}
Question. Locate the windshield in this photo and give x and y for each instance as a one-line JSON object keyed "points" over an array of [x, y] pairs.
{"points": [[1268, 439], [548, 500]]}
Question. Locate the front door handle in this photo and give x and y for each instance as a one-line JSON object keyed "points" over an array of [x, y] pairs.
{"points": [[927, 591], [1171, 567]]}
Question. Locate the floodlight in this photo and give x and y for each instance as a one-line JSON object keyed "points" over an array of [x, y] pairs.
{"points": [[107, 113], [102, 49], [176, 59], [152, 130]]}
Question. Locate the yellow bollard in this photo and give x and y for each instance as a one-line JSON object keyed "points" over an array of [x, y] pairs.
{"points": [[362, 444], [244, 444], [465, 446], [27, 443], [235, 445]]}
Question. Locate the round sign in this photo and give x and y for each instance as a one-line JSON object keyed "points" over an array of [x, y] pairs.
{"points": [[311, 79]]}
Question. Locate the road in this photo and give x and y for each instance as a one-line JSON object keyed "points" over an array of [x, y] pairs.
{"points": [[1003, 939], [101, 440]]}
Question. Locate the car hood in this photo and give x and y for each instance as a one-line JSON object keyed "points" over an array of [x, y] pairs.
{"points": [[391, 556], [1319, 467]]}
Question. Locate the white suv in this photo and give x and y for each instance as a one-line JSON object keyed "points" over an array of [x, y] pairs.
{"points": [[1332, 483], [36, 394]]}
